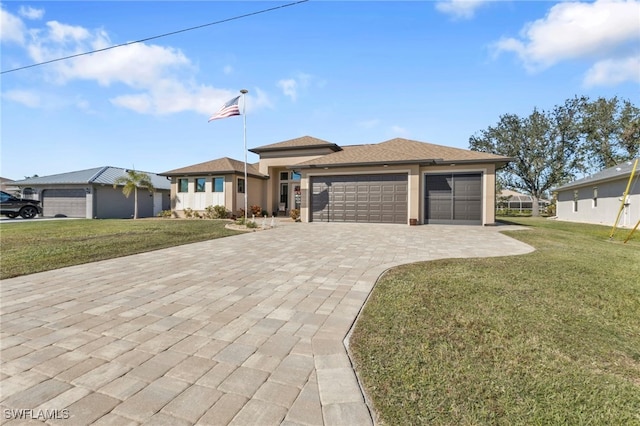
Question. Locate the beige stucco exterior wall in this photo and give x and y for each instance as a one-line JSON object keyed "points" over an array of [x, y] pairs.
{"points": [[488, 186], [416, 182], [413, 182]]}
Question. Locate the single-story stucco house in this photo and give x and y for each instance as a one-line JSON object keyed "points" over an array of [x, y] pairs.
{"points": [[397, 181], [598, 198], [90, 194]]}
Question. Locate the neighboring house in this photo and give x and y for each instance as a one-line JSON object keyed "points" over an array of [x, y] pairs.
{"points": [[397, 181], [598, 198], [90, 194], [516, 201], [7, 185]]}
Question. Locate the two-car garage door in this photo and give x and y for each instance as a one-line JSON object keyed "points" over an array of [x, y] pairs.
{"points": [[381, 198]]}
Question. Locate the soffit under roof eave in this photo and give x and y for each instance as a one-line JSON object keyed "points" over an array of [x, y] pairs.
{"points": [[362, 164], [334, 147], [214, 173]]}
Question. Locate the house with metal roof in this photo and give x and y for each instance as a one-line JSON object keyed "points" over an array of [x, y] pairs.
{"points": [[396, 181], [600, 197], [90, 194]]}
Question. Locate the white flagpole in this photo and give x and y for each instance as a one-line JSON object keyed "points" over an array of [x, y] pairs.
{"points": [[246, 181]]}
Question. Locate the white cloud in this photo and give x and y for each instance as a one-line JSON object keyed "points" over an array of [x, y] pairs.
{"points": [[460, 9], [292, 87], [24, 97], [31, 13], [160, 79], [228, 69], [13, 29], [574, 30], [289, 88], [613, 71]]}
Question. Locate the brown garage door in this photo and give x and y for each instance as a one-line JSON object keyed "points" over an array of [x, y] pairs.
{"points": [[359, 198], [453, 199], [64, 202]]}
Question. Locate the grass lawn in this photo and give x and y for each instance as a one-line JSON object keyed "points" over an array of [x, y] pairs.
{"points": [[36, 246], [551, 337]]}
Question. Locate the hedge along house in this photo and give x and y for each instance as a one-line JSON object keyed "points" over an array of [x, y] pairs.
{"points": [[597, 198], [90, 194], [397, 181]]}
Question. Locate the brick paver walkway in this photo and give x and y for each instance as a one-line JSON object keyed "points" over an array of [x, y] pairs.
{"points": [[246, 330]]}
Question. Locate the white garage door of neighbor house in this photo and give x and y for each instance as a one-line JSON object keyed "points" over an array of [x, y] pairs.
{"points": [[453, 198], [64, 203], [360, 198]]}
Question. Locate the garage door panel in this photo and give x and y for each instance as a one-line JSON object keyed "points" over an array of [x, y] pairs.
{"points": [[453, 198], [64, 202], [369, 198]]}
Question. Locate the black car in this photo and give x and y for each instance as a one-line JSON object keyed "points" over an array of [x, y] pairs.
{"points": [[11, 206]]}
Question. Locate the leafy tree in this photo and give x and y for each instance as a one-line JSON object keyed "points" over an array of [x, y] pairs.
{"points": [[131, 182], [611, 129], [542, 145]]}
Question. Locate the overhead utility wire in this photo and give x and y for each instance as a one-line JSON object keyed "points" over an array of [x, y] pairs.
{"points": [[155, 37]]}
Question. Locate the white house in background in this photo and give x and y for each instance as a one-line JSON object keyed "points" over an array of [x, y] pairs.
{"points": [[597, 198]]}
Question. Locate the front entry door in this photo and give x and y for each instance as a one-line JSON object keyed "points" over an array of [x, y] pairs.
{"points": [[284, 195]]}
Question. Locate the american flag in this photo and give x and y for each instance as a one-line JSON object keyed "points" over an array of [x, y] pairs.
{"points": [[228, 110]]}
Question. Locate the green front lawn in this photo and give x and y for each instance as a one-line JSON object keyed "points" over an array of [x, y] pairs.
{"points": [[35, 246], [551, 337]]}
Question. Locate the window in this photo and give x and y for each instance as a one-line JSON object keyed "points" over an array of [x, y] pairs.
{"points": [[284, 175], [575, 201], [241, 186], [218, 184], [200, 184], [296, 176], [595, 197], [183, 185]]}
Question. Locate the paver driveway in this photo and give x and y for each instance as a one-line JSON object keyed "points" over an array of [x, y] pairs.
{"points": [[243, 330]]}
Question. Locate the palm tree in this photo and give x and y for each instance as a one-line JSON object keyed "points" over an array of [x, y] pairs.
{"points": [[131, 182]]}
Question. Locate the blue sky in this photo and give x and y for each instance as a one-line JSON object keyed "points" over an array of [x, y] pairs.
{"points": [[347, 72]]}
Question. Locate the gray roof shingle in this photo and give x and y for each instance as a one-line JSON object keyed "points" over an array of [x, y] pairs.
{"points": [[297, 143]]}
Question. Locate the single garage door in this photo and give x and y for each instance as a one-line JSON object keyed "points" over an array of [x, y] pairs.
{"points": [[453, 198], [359, 198], [64, 202]]}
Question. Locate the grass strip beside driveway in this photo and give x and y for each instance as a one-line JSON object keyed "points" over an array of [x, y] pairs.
{"points": [[551, 337], [38, 246]]}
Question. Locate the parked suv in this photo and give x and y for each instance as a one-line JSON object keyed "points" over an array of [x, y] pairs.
{"points": [[11, 206]]}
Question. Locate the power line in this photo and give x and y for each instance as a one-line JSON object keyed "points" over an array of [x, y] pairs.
{"points": [[158, 36]]}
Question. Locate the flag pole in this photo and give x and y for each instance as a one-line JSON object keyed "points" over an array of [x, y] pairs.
{"points": [[246, 181]]}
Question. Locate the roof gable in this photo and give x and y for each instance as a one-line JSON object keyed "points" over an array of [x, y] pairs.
{"points": [[303, 142], [224, 165]]}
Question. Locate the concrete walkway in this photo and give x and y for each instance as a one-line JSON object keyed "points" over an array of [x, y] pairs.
{"points": [[246, 330]]}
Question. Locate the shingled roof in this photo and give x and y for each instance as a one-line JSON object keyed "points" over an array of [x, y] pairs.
{"points": [[303, 142], [401, 151], [224, 165]]}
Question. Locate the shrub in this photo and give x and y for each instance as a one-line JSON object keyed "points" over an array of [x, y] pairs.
{"points": [[256, 210], [188, 212], [295, 214], [165, 214], [216, 212]]}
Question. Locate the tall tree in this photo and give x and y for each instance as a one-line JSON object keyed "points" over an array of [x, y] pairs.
{"points": [[610, 129], [130, 183], [541, 145]]}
